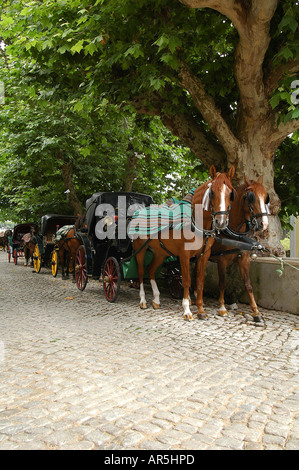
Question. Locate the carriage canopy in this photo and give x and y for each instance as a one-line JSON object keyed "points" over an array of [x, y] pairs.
{"points": [[49, 222], [133, 200], [21, 229]]}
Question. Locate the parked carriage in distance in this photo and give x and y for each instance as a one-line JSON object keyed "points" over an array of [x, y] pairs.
{"points": [[44, 252], [4, 239], [18, 240], [105, 246]]}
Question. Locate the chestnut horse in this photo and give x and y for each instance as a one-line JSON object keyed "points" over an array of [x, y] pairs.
{"points": [[249, 213], [68, 246], [29, 246], [196, 241]]}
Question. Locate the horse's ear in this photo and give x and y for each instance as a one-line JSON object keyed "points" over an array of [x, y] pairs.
{"points": [[247, 180], [213, 172], [260, 180], [231, 172]]}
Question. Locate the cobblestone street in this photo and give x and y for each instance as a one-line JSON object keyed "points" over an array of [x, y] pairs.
{"points": [[80, 373]]}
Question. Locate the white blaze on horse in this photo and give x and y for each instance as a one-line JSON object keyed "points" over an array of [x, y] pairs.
{"points": [[215, 196]]}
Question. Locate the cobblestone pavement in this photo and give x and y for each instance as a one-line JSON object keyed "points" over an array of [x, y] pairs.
{"points": [[80, 373]]}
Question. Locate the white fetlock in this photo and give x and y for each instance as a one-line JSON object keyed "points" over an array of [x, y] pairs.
{"points": [[187, 312], [143, 303], [222, 311], [156, 293]]}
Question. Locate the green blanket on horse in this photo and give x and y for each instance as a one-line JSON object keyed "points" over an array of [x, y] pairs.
{"points": [[62, 232], [153, 219]]}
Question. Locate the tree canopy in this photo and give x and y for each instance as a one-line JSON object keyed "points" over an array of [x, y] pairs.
{"points": [[219, 75]]}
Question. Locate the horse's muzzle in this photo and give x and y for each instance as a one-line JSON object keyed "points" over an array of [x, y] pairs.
{"points": [[220, 222]]}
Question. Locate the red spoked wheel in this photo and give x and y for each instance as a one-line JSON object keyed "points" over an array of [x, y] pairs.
{"points": [[15, 256], [81, 268], [111, 279]]}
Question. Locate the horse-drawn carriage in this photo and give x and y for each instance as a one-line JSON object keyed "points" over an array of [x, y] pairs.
{"points": [[44, 252], [105, 248], [18, 240]]}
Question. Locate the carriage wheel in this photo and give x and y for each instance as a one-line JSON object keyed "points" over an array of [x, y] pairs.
{"points": [[111, 279], [54, 263], [81, 268], [37, 259], [174, 280], [15, 256], [9, 255]]}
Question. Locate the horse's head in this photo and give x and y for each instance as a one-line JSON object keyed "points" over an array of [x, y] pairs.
{"points": [[218, 197], [256, 203]]}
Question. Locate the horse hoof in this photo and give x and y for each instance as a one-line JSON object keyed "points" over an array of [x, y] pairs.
{"points": [[143, 305], [188, 317], [258, 318], [156, 306], [222, 312], [202, 316]]}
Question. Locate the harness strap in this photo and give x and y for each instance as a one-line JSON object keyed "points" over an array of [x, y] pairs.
{"points": [[203, 248], [227, 252], [162, 244]]}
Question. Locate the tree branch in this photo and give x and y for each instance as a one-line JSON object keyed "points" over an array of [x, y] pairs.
{"points": [[252, 21], [282, 131], [275, 74], [189, 132], [185, 128], [206, 105], [249, 58], [235, 11]]}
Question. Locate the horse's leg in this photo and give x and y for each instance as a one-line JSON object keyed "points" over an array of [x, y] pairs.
{"points": [[201, 268], [221, 264], [140, 260], [67, 263], [186, 282], [152, 268], [62, 259], [26, 257], [73, 256], [244, 267]]}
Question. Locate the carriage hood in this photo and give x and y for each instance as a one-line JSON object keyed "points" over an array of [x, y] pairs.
{"points": [[112, 199]]}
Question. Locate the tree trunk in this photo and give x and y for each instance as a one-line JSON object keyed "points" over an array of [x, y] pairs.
{"points": [[132, 158], [67, 176], [253, 162]]}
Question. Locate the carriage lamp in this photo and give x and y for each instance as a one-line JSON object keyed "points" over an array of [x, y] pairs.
{"points": [[108, 220]]}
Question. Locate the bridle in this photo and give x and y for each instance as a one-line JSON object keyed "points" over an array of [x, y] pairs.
{"points": [[249, 196], [215, 213], [207, 205]]}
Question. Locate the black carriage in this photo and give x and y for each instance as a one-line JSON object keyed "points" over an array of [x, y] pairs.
{"points": [[17, 240], [106, 249], [44, 252]]}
